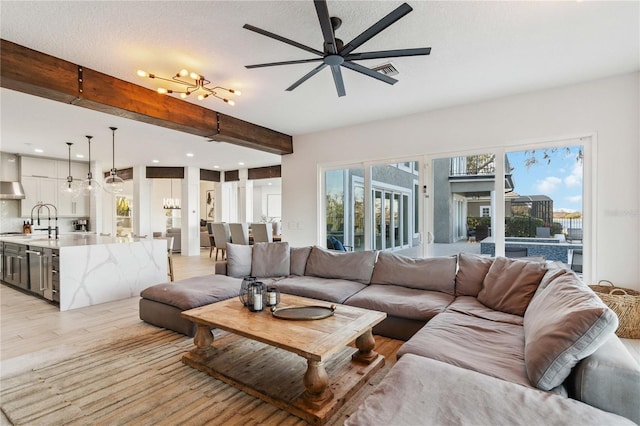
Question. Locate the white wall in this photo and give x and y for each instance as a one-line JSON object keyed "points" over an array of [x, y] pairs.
{"points": [[608, 108]]}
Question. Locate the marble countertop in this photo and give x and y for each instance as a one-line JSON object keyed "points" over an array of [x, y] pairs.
{"points": [[66, 240]]}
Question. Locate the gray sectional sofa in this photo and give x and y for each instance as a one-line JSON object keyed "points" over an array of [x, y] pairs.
{"points": [[488, 341]]}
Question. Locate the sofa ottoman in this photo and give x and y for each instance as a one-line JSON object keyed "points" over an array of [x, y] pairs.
{"points": [[421, 390], [162, 304]]}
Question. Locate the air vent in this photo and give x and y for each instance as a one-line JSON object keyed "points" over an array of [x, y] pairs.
{"points": [[386, 69]]}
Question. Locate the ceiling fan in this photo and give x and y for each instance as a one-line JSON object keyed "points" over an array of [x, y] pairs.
{"points": [[336, 54]]}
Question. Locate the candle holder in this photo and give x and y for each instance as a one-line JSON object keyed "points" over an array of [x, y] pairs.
{"points": [[272, 296], [255, 296], [244, 289]]}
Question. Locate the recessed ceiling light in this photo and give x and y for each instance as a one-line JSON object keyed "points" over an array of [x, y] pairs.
{"points": [[79, 156], [155, 161], [269, 184], [189, 154], [240, 163], [216, 167], [38, 150]]}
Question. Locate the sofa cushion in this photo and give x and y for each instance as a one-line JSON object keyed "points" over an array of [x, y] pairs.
{"points": [[331, 290], [510, 284], [420, 391], [270, 260], [489, 347], [403, 302], [299, 256], [564, 323], [353, 265], [239, 260], [193, 292], [435, 273], [471, 272], [470, 306]]}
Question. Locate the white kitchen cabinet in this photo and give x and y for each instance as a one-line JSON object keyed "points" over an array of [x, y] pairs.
{"points": [[39, 167], [72, 206], [39, 190], [78, 170]]}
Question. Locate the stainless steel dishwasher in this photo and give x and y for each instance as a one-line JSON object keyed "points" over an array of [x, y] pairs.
{"points": [[15, 265], [41, 272]]}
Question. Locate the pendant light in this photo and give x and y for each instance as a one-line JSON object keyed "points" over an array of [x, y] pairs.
{"points": [[89, 186], [70, 187], [113, 183]]}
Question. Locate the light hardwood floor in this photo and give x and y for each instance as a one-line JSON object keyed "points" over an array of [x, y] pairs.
{"points": [[29, 324]]}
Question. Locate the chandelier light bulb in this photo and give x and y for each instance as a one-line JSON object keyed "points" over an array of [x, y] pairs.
{"points": [[142, 73], [195, 76], [230, 102], [184, 95], [162, 90], [183, 73], [235, 92], [201, 97]]}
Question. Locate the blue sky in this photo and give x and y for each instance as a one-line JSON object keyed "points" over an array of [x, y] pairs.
{"points": [[560, 180]]}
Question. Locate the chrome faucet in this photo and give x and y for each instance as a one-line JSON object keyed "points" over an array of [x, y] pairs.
{"points": [[39, 206]]}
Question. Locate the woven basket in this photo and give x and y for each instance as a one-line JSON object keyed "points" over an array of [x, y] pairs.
{"points": [[625, 303]]}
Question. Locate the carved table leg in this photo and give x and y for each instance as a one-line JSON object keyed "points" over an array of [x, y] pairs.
{"points": [[203, 338], [316, 382], [365, 344]]}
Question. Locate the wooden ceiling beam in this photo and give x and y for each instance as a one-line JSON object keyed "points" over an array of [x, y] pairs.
{"points": [[28, 71]]}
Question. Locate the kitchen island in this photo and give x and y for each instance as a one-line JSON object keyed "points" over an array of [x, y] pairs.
{"points": [[83, 269]]}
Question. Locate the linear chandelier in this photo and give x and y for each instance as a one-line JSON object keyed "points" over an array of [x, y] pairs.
{"points": [[199, 84]]}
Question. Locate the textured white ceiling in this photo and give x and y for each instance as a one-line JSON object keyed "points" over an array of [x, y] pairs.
{"points": [[480, 50]]}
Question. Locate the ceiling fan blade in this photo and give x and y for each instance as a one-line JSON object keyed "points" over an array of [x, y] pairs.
{"points": [[282, 39], [325, 24], [371, 73], [388, 54], [271, 64], [307, 76], [372, 31], [337, 79]]}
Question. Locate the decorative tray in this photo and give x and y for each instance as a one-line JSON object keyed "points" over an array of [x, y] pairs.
{"points": [[303, 313]]}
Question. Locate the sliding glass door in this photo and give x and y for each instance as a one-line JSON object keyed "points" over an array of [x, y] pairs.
{"points": [[387, 220]]}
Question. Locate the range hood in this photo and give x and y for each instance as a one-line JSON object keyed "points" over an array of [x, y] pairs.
{"points": [[11, 191]]}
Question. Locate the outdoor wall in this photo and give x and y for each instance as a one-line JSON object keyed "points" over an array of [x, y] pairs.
{"points": [[608, 108]]}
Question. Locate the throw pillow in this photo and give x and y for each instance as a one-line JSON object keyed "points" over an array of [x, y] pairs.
{"points": [[435, 273], [299, 256], [270, 260], [565, 323], [347, 265], [238, 260], [471, 272], [510, 284]]}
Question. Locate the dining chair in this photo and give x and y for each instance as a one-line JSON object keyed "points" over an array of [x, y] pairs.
{"points": [[262, 232], [169, 253], [212, 240], [222, 236], [239, 233], [170, 256]]}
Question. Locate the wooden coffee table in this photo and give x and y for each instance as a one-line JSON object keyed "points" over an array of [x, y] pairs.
{"points": [[272, 370]]}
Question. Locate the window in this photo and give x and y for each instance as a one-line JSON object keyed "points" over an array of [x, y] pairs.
{"points": [[485, 211]]}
